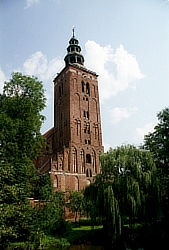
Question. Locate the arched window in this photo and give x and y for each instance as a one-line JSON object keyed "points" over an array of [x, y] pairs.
{"points": [[74, 160], [90, 173], [87, 173], [82, 86], [88, 158], [87, 88], [94, 161], [82, 161]]}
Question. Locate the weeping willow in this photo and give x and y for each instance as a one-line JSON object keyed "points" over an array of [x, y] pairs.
{"points": [[126, 188]]}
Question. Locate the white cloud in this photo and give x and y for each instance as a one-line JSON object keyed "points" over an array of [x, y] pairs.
{"points": [[142, 131], [117, 114], [2, 80], [38, 65], [122, 72], [29, 3]]}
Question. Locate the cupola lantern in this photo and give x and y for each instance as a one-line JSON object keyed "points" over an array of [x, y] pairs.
{"points": [[74, 55]]}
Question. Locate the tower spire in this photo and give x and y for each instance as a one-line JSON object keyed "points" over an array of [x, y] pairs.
{"points": [[74, 55], [73, 30]]}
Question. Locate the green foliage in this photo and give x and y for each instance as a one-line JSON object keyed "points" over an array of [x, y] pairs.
{"points": [[20, 141], [158, 141], [51, 216], [20, 118], [75, 201], [43, 187], [127, 188]]}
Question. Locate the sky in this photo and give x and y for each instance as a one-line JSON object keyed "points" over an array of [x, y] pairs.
{"points": [[126, 42]]}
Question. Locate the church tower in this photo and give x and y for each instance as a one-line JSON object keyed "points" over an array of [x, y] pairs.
{"points": [[76, 139]]}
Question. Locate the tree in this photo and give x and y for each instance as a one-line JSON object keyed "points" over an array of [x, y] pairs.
{"points": [[158, 143], [125, 190], [20, 142], [20, 118], [75, 202], [51, 216]]}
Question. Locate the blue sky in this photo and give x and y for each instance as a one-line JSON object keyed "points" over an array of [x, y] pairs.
{"points": [[126, 42]]}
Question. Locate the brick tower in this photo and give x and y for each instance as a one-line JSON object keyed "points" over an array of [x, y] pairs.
{"points": [[75, 142]]}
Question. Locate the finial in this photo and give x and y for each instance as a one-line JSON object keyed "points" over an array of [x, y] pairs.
{"points": [[73, 31]]}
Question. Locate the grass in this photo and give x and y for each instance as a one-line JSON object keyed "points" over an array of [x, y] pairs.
{"points": [[87, 228], [84, 234], [78, 234]]}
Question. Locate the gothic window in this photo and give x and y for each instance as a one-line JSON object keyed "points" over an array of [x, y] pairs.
{"points": [[86, 114], [82, 161], [87, 128], [88, 158], [87, 88], [87, 173], [90, 172], [77, 122], [94, 161], [74, 160], [94, 91], [96, 131], [82, 86], [77, 129]]}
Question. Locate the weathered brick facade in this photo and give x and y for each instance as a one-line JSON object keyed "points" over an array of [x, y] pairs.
{"points": [[75, 142]]}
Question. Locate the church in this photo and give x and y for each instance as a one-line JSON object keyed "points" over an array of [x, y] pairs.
{"points": [[73, 145]]}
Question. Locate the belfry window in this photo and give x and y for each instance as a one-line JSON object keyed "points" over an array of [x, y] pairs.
{"points": [[86, 114], [87, 88], [82, 86], [88, 158]]}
